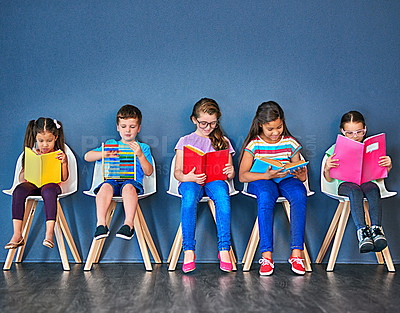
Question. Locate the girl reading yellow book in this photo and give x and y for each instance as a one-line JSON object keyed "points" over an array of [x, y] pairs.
{"points": [[43, 136]]}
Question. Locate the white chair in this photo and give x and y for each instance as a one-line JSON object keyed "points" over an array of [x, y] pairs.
{"points": [[177, 245], [142, 232], [339, 221], [255, 235], [68, 187]]}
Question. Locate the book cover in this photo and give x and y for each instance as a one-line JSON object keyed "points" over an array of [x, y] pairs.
{"points": [[262, 165], [211, 163], [42, 169], [358, 161]]}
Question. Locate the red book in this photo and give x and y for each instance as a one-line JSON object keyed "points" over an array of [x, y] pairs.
{"points": [[211, 163], [358, 161]]}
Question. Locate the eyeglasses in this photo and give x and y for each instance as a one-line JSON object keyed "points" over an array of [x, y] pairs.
{"points": [[356, 133], [203, 124]]}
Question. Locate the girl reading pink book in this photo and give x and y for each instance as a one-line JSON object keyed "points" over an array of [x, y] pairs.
{"points": [[207, 137], [44, 135], [352, 125]]}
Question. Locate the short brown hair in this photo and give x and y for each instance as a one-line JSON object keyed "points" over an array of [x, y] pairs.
{"points": [[129, 111]]}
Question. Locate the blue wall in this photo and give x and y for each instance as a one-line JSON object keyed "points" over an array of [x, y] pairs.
{"points": [[79, 61]]}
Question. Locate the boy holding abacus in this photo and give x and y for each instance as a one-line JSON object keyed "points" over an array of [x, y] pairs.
{"points": [[119, 181]]}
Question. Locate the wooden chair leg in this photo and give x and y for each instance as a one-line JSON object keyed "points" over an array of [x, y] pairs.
{"points": [[384, 255], [246, 252], [30, 209], [61, 246], [67, 233], [330, 233], [147, 236], [11, 253], [174, 244], [175, 250], [97, 245], [211, 205], [110, 214], [307, 260], [142, 243], [339, 236], [251, 247], [388, 260]]}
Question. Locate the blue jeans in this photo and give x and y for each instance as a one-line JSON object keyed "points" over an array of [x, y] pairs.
{"points": [[267, 192], [192, 193], [356, 195]]}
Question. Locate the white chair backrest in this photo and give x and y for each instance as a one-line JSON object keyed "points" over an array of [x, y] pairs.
{"points": [[331, 188], [149, 182], [174, 184], [68, 187], [306, 184]]}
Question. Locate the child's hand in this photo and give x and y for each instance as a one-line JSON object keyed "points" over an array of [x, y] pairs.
{"points": [[111, 154], [270, 173], [385, 161], [62, 157], [331, 162], [196, 178], [136, 148], [300, 173], [228, 170]]}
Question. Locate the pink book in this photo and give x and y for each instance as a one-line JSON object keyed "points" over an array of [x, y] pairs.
{"points": [[358, 162]]}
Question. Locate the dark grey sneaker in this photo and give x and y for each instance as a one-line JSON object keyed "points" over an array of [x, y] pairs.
{"points": [[101, 232], [125, 232], [379, 239], [365, 242]]}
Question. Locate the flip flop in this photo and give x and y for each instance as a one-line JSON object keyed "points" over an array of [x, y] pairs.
{"points": [[49, 244], [15, 245]]}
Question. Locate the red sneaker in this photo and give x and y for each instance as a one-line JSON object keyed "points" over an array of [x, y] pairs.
{"points": [[267, 266], [297, 265]]}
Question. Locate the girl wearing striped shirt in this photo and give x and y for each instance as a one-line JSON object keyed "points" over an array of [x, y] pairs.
{"points": [[269, 138]]}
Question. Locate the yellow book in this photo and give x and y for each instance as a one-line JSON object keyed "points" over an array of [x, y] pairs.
{"points": [[42, 169]]}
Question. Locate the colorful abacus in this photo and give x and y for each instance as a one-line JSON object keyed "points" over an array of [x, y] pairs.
{"points": [[122, 166]]}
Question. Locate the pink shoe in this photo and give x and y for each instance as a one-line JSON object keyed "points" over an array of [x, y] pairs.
{"points": [[189, 267], [225, 266]]}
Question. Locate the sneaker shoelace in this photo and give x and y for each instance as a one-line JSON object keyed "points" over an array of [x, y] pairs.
{"points": [[264, 261], [297, 260], [366, 232], [377, 231]]}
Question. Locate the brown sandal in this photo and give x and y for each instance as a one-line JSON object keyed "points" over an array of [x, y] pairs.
{"points": [[49, 244], [15, 245]]}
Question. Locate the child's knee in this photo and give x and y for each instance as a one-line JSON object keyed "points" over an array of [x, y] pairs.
{"points": [[128, 189], [105, 189], [50, 190]]}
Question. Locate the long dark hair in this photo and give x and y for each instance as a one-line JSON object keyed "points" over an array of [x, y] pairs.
{"points": [[211, 107], [43, 124], [266, 112]]}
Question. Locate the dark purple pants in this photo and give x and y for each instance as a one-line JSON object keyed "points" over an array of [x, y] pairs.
{"points": [[48, 192]]}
